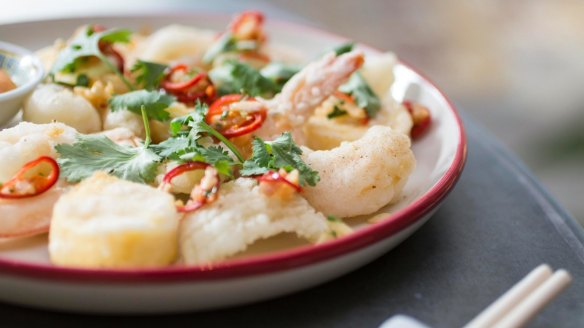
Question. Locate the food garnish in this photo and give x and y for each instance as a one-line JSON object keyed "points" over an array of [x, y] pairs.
{"points": [[279, 73], [245, 34], [232, 121], [421, 118], [237, 77], [205, 192], [279, 177], [274, 155], [192, 127], [94, 42], [344, 48], [91, 153], [188, 85], [154, 103], [148, 74], [362, 94], [32, 179]]}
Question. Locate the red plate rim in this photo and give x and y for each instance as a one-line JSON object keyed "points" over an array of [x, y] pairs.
{"points": [[272, 262]]}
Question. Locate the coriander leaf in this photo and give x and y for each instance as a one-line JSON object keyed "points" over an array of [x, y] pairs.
{"points": [[279, 153], [173, 148], [259, 163], [336, 112], [362, 93], [225, 43], [333, 218], [214, 155], [344, 48], [154, 102], [86, 44], [148, 74], [82, 81], [279, 73], [91, 153], [196, 126], [228, 43], [236, 77]]}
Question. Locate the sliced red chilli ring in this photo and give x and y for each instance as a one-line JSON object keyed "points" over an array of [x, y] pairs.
{"points": [[275, 177], [250, 123], [30, 183], [196, 87]]}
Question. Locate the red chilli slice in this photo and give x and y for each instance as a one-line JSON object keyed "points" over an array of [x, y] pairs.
{"points": [[253, 122], [192, 204], [39, 183], [255, 17], [198, 87], [420, 116], [107, 49], [275, 177]]}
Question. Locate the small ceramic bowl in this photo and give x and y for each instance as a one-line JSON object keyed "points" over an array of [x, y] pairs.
{"points": [[25, 70]]}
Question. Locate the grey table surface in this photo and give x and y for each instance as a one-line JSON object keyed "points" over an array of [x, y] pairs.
{"points": [[495, 226]]}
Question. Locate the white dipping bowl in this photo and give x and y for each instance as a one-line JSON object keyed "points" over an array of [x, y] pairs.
{"points": [[25, 70]]}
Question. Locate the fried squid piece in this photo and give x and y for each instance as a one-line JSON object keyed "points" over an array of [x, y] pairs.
{"points": [[241, 215]]}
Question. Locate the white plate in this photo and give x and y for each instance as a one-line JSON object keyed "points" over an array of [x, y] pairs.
{"points": [[26, 276]]}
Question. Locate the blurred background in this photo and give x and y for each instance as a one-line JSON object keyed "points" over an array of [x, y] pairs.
{"points": [[517, 66]]}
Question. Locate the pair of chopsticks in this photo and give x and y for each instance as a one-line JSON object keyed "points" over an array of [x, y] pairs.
{"points": [[524, 300]]}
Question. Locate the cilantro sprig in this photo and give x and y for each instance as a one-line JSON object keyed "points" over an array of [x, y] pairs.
{"points": [[279, 73], [153, 102], [148, 74], [344, 48], [193, 127], [228, 43], [237, 77], [362, 93], [337, 112], [91, 153], [279, 153], [86, 44]]}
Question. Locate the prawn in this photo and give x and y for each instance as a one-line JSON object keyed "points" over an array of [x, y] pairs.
{"points": [[306, 90]]}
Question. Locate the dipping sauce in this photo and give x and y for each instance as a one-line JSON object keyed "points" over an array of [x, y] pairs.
{"points": [[6, 83]]}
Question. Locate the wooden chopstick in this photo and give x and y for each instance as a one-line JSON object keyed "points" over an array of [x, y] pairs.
{"points": [[535, 301], [524, 300]]}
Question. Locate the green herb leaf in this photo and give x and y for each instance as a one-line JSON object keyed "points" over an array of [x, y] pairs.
{"points": [[91, 153], [336, 112], [154, 102], [86, 44], [214, 155], [279, 153], [236, 77], [225, 43], [362, 93], [148, 74], [228, 43], [344, 48], [82, 81], [279, 73], [193, 127], [333, 218]]}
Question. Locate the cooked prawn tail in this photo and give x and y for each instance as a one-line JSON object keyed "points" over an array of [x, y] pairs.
{"points": [[306, 90], [315, 83]]}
